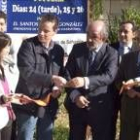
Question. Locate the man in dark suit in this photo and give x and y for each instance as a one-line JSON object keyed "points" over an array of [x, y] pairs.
{"points": [[130, 105], [91, 66], [126, 44], [127, 33], [40, 61]]}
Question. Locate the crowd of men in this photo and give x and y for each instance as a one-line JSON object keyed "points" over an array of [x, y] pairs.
{"points": [[100, 80]]}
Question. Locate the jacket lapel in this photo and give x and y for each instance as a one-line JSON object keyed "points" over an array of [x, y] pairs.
{"points": [[83, 61], [135, 64], [135, 47], [99, 59]]}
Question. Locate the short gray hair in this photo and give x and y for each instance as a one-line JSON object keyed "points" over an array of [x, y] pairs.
{"points": [[104, 30]]}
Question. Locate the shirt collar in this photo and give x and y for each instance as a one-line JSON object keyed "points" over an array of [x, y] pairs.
{"points": [[129, 45], [50, 47]]}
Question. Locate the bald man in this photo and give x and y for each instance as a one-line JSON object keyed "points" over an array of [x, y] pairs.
{"points": [[91, 68]]}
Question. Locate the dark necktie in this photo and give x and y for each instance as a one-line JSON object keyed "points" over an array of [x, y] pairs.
{"points": [[123, 50], [92, 55]]}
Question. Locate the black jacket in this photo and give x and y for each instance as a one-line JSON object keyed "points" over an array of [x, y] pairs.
{"points": [[36, 68]]}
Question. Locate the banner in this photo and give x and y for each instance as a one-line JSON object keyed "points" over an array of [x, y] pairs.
{"points": [[23, 15]]}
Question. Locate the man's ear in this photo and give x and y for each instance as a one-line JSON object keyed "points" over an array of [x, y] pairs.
{"points": [[135, 34]]}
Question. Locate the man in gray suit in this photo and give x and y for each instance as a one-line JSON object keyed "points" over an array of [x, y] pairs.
{"points": [[91, 67]]}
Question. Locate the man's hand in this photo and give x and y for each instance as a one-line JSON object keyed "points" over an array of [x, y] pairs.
{"points": [[56, 92], [59, 81], [81, 101], [7, 98], [76, 82], [21, 98], [127, 85]]}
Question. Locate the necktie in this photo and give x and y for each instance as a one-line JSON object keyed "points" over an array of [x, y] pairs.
{"points": [[92, 55], [126, 50], [123, 50]]}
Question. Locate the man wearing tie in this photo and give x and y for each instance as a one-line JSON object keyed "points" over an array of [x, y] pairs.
{"points": [[88, 101], [127, 31], [130, 105], [135, 81]]}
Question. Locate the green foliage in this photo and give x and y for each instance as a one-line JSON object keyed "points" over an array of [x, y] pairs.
{"points": [[98, 9], [95, 8], [132, 14], [113, 28], [61, 132], [62, 122]]}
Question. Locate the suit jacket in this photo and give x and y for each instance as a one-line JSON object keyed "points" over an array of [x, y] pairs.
{"points": [[100, 74], [36, 68], [128, 70], [113, 89]]}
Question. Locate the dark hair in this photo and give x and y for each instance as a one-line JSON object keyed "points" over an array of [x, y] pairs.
{"points": [[3, 15], [129, 22], [4, 41], [50, 18]]}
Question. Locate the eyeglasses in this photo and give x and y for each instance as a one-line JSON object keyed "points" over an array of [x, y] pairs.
{"points": [[124, 31]]}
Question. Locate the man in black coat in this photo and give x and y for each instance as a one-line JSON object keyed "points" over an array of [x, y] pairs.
{"points": [[40, 61], [130, 106], [92, 67], [126, 44]]}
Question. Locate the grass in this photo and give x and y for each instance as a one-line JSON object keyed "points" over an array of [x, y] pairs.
{"points": [[61, 127], [61, 124]]}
